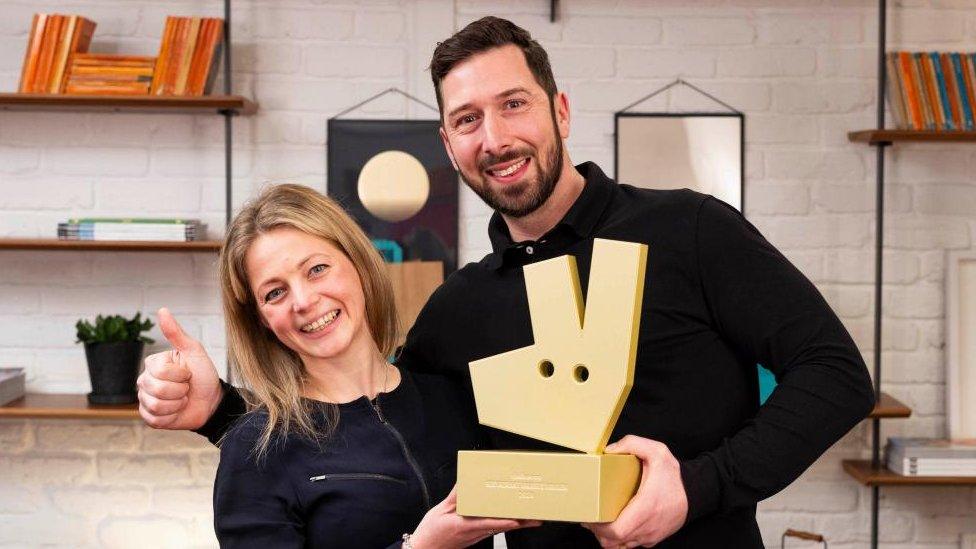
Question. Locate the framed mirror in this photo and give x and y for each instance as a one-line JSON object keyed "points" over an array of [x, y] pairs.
{"points": [[703, 152]]}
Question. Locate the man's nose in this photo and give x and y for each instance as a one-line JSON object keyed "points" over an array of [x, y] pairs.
{"points": [[496, 135]]}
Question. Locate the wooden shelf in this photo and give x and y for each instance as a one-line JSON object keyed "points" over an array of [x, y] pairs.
{"points": [[128, 103], [862, 471], [875, 137], [888, 407], [65, 407], [109, 245]]}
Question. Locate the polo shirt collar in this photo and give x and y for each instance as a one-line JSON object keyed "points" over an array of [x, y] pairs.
{"points": [[581, 218]]}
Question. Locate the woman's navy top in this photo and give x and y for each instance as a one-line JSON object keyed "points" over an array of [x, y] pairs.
{"points": [[388, 462]]}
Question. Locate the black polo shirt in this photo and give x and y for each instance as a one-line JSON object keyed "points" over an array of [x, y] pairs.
{"points": [[718, 300]]}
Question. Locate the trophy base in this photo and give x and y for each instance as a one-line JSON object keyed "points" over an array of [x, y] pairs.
{"points": [[545, 485]]}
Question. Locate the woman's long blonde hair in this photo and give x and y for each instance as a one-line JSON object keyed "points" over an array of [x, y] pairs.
{"points": [[273, 374]]}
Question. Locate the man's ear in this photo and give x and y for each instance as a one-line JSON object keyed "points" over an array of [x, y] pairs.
{"points": [[561, 106], [447, 147]]}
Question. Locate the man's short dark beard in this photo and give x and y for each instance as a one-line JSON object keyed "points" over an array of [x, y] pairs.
{"points": [[547, 180]]}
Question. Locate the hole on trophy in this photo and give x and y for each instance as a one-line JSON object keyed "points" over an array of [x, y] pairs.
{"points": [[580, 373], [546, 368]]}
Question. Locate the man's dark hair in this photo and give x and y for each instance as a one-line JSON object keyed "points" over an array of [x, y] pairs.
{"points": [[485, 34]]}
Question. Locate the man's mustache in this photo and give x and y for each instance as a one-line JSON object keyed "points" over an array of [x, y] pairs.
{"points": [[512, 154]]}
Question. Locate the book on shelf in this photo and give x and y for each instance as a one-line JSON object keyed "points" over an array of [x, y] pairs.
{"points": [[141, 229], [932, 90], [12, 384], [931, 457], [189, 55], [104, 74], [52, 41]]}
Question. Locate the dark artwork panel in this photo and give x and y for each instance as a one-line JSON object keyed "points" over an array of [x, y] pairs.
{"points": [[431, 234]]}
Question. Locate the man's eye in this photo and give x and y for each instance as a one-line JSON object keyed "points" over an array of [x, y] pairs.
{"points": [[466, 119], [514, 103], [320, 268], [270, 296]]}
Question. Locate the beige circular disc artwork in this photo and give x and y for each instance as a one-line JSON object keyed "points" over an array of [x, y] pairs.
{"points": [[393, 186]]}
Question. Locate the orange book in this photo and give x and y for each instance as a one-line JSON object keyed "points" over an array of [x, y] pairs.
{"points": [[187, 55], [968, 77], [927, 114], [205, 64], [163, 58], [134, 71], [65, 38], [80, 59], [932, 91], [216, 50], [48, 46], [105, 89], [199, 59], [175, 55], [33, 53], [911, 87], [950, 79]]}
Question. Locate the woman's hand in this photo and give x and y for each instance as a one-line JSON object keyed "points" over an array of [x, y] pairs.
{"points": [[443, 528]]}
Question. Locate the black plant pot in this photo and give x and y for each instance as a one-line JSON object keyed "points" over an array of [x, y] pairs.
{"points": [[113, 369]]}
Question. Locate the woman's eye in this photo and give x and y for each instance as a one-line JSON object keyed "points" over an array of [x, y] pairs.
{"points": [[270, 296], [318, 269]]}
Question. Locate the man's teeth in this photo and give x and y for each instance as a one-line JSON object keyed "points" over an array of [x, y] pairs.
{"points": [[321, 323], [509, 170]]}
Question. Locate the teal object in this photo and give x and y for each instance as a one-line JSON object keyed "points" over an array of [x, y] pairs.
{"points": [[389, 249], [767, 382]]}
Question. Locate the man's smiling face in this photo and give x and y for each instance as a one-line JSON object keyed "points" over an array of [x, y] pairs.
{"points": [[502, 132]]}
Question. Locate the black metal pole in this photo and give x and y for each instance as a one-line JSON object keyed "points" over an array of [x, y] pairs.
{"points": [[228, 119], [878, 261]]}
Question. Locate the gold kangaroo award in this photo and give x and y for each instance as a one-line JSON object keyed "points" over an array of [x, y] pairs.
{"points": [[568, 388]]}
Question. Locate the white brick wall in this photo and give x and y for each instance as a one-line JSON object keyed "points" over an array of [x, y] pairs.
{"points": [[803, 72]]}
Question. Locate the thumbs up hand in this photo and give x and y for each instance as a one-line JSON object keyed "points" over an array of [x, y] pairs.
{"points": [[179, 388]]}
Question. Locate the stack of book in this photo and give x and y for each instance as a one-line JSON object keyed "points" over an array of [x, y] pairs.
{"points": [[932, 90], [141, 229], [931, 457], [52, 41], [106, 74], [188, 56]]}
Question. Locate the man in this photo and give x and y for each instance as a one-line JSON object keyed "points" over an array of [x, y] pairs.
{"points": [[719, 299]]}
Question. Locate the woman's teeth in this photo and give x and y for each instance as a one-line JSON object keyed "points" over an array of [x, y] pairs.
{"points": [[509, 170], [321, 323]]}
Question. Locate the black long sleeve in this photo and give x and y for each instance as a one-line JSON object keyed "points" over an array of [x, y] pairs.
{"points": [[768, 311], [230, 408]]}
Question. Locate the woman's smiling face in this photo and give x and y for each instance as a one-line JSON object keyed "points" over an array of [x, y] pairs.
{"points": [[308, 293]]}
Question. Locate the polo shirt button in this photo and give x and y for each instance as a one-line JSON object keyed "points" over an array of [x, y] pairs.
{"points": [[529, 250]]}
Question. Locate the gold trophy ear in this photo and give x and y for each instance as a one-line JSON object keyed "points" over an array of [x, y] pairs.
{"points": [[569, 387]]}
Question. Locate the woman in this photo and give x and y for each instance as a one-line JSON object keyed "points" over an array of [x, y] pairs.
{"points": [[340, 448]]}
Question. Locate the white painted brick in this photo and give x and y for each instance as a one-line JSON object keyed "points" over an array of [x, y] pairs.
{"points": [[859, 63], [67, 301], [12, 54], [50, 468], [815, 496], [829, 165], [305, 165], [928, 164], [778, 28], [584, 62], [276, 128], [823, 97], [657, 63], [946, 199], [115, 468], [50, 193], [40, 530], [353, 61], [164, 532], [849, 302], [708, 31], [268, 58], [14, 435], [608, 96], [857, 266], [182, 299], [772, 524], [183, 501], [19, 300], [44, 268], [42, 129], [322, 97], [761, 129], [809, 262], [612, 30], [96, 161], [20, 499], [198, 163], [936, 529], [767, 62], [933, 266], [129, 129], [860, 197], [17, 21], [372, 26], [18, 160], [52, 435], [941, 500], [175, 195], [321, 22], [744, 96], [791, 199], [205, 465], [157, 268], [925, 399], [95, 500], [42, 331], [927, 26], [925, 233], [917, 301], [813, 231]]}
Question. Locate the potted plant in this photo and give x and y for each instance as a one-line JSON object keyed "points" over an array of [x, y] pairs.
{"points": [[113, 347]]}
